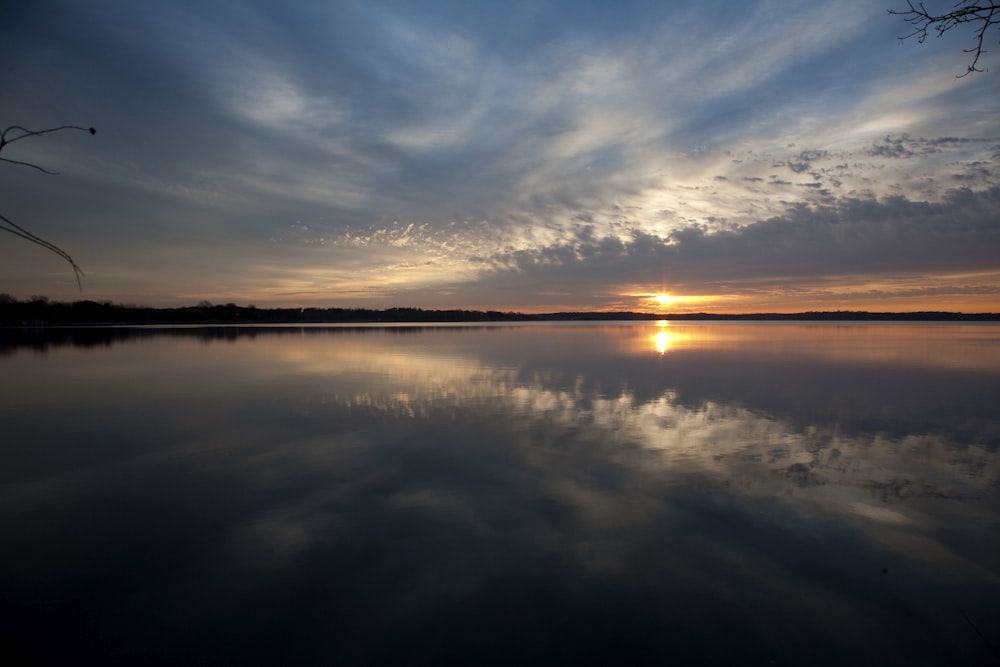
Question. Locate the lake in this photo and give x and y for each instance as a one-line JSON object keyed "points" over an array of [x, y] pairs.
{"points": [[634, 493]]}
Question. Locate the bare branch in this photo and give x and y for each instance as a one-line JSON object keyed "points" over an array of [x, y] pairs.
{"points": [[984, 14], [16, 133], [25, 132], [17, 230], [33, 166]]}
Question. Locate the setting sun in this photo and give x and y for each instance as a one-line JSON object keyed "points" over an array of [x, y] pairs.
{"points": [[661, 301], [664, 299]]}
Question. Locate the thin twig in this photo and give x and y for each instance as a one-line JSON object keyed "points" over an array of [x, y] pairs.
{"points": [[987, 14], [968, 620], [18, 230], [33, 166], [25, 132], [19, 132]]}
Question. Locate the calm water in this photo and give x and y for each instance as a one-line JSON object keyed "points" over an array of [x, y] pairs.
{"points": [[557, 494]]}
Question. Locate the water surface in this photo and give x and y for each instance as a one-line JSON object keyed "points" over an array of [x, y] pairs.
{"points": [[601, 494]]}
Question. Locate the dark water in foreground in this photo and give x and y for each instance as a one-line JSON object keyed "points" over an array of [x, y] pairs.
{"points": [[684, 494]]}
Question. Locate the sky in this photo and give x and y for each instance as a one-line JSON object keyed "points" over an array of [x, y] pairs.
{"points": [[708, 156]]}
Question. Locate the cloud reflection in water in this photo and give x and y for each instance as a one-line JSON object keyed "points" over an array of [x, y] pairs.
{"points": [[532, 493]]}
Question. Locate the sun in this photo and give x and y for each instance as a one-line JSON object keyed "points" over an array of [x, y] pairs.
{"points": [[665, 302], [663, 299]]}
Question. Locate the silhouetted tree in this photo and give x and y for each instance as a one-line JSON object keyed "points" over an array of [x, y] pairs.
{"points": [[983, 15], [16, 133]]}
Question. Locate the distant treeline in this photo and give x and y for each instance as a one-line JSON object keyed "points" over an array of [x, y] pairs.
{"points": [[39, 311]]}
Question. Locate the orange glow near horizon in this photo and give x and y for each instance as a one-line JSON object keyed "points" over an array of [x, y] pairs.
{"points": [[648, 302], [659, 302], [806, 300], [965, 293]]}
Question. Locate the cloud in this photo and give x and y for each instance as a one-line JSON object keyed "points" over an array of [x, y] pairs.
{"points": [[262, 131], [852, 240]]}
